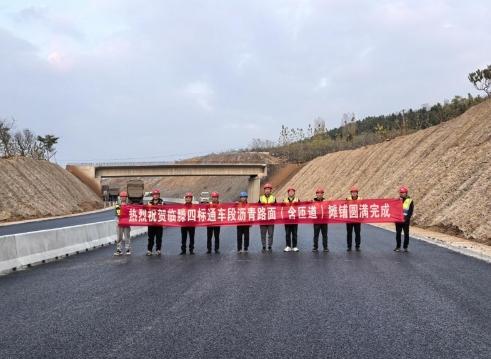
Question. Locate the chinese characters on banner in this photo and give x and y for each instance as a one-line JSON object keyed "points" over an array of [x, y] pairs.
{"points": [[233, 214]]}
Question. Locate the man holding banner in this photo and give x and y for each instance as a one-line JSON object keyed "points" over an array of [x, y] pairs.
{"points": [[353, 225], [267, 231], [291, 230], [407, 209], [185, 230]]}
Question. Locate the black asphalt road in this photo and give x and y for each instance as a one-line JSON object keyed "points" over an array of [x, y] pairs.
{"points": [[429, 303], [57, 222]]}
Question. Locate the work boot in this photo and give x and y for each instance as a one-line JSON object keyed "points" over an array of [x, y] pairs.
{"points": [[128, 252], [357, 249], [314, 249], [397, 249], [217, 251], [117, 253], [295, 249], [264, 249], [159, 253], [287, 249], [270, 249], [208, 251], [406, 250], [348, 249], [191, 252], [149, 253], [182, 253]]}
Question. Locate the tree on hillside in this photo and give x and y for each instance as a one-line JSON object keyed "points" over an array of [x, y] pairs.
{"points": [[7, 148], [481, 79], [48, 143]]}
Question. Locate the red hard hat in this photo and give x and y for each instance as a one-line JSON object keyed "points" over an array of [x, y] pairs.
{"points": [[403, 189], [123, 194], [156, 191], [214, 194], [291, 189], [268, 185], [354, 189], [188, 194], [319, 190]]}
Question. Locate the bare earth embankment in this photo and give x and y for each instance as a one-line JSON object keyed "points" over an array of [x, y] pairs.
{"points": [[34, 189], [447, 168]]}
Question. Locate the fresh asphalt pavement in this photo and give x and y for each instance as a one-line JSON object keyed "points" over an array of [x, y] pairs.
{"points": [[428, 303], [32, 226]]}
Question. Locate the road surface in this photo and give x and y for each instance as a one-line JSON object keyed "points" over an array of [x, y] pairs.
{"points": [[57, 222], [428, 303]]}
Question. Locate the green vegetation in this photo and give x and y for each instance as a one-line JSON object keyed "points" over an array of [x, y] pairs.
{"points": [[25, 143], [299, 145]]}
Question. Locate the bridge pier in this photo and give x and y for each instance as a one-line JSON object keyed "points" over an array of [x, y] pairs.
{"points": [[254, 188]]}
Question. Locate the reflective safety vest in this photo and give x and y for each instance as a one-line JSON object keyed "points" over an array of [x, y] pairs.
{"points": [[267, 200], [405, 205], [118, 207], [293, 200]]}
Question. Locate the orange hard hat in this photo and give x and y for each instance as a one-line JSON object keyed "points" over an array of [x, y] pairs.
{"points": [[403, 189], [291, 189], [123, 194], [319, 190], [268, 185], [214, 194], [156, 191], [188, 194], [354, 189]]}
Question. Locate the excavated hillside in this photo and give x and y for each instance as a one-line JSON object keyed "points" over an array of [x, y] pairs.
{"points": [[32, 189], [447, 169]]}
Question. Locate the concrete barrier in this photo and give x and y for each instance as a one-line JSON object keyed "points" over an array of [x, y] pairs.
{"points": [[20, 250]]}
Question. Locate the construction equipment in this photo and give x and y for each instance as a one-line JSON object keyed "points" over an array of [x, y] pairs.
{"points": [[204, 197], [135, 189]]}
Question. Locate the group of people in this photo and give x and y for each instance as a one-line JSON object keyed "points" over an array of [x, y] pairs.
{"points": [[267, 231]]}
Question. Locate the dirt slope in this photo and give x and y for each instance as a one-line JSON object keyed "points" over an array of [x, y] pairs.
{"points": [[447, 168], [32, 189]]}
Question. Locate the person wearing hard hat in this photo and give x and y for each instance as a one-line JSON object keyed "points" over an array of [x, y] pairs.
{"points": [[353, 226], [291, 230], [213, 231], [267, 230], [320, 227], [407, 208], [123, 230], [155, 232], [243, 231], [185, 231]]}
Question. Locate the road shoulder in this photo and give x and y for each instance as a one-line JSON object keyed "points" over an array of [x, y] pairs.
{"points": [[460, 245]]}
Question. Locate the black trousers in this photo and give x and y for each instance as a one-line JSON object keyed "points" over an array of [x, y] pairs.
{"points": [[184, 232], [155, 233], [320, 228], [210, 232], [402, 226], [242, 234], [291, 234], [349, 237]]}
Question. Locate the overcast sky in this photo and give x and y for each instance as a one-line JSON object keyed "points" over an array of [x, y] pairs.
{"points": [[161, 80]]}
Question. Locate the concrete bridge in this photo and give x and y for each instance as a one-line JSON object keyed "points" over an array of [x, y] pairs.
{"points": [[92, 174]]}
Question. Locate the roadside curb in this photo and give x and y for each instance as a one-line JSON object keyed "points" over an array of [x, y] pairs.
{"points": [[460, 245], [24, 250]]}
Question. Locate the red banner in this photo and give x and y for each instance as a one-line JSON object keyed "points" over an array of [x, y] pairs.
{"points": [[233, 214]]}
